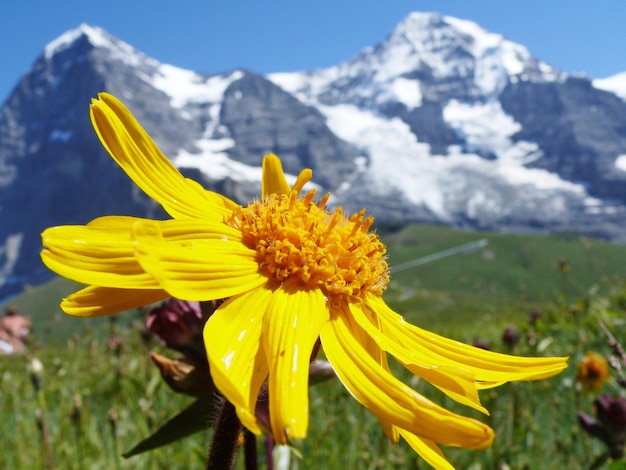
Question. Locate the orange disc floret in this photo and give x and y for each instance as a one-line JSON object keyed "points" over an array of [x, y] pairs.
{"points": [[298, 238]]}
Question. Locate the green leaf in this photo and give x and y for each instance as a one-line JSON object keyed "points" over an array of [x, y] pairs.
{"points": [[618, 465], [193, 419]]}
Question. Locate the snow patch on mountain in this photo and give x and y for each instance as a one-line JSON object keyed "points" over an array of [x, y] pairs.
{"points": [[488, 130], [399, 162], [615, 84], [620, 162], [496, 58], [407, 170], [187, 87], [407, 92], [213, 161]]}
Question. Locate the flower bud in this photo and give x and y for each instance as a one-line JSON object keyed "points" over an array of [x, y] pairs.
{"points": [[612, 414], [510, 337], [609, 425], [179, 323]]}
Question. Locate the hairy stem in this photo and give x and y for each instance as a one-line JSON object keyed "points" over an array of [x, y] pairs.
{"points": [[225, 437]]}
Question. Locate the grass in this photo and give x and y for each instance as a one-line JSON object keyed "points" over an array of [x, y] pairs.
{"points": [[498, 284], [102, 364], [86, 384]]}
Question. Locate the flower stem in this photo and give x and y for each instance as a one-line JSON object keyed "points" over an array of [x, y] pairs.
{"points": [[225, 436], [250, 450]]}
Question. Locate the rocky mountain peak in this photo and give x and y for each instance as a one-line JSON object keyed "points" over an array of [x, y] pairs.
{"points": [[86, 37], [443, 48], [84, 33]]}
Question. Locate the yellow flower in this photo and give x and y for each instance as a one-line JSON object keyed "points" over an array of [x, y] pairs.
{"points": [[294, 274]]}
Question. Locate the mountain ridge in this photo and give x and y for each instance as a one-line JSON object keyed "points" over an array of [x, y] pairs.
{"points": [[442, 122]]}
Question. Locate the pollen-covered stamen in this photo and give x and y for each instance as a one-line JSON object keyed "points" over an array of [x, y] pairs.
{"points": [[296, 238]]}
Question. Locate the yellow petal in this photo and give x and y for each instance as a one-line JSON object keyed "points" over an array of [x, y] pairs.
{"points": [[180, 231], [388, 398], [193, 231], [456, 382], [428, 450], [490, 368], [213, 269], [290, 329], [273, 179], [133, 149], [118, 222], [232, 337], [94, 255], [97, 301], [380, 356]]}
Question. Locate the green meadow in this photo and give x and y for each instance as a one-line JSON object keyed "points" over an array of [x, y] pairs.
{"points": [[100, 393]]}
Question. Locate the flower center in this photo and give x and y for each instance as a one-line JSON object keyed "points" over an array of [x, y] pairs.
{"points": [[297, 238]]}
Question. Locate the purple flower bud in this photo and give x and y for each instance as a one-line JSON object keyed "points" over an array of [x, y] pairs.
{"points": [[609, 425], [510, 336], [611, 412], [177, 322]]}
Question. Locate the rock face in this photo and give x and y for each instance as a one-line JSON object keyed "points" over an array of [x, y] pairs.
{"points": [[579, 128], [441, 122], [261, 117]]}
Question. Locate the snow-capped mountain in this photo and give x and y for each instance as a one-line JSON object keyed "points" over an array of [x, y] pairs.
{"points": [[438, 111], [440, 122]]}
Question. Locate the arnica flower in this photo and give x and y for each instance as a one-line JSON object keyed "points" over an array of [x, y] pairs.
{"points": [[294, 273], [592, 371]]}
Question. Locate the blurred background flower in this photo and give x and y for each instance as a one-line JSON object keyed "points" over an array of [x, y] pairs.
{"points": [[609, 425], [592, 371]]}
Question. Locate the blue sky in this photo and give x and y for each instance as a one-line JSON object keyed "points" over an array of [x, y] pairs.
{"points": [[285, 35]]}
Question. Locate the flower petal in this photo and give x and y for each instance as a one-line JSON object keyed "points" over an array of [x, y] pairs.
{"points": [[290, 329], [213, 269], [94, 255], [179, 231], [490, 368], [96, 301], [380, 356], [388, 398], [113, 221], [133, 149], [458, 383], [428, 450], [273, 180], [232, 339], [192, 231]]}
